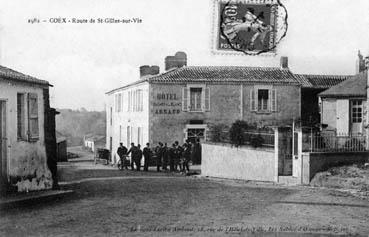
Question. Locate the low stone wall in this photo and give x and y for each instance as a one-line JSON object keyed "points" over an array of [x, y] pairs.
{"points": [[247, 163], [313, 163]]}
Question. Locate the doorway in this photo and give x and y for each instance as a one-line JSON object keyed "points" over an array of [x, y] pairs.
{"points": [[356, 117], [3, 144]]}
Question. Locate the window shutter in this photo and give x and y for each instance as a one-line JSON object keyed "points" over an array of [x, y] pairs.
{"points": [[274, 100], [185, 99], [270, 100], [252, 100], [123, 99], [21, 120], [33, 130], [207, 99]]}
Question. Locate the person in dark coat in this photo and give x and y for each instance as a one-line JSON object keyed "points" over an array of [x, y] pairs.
{"points": [[147, 153], [186, 158], [122, 152], [178, 154], [133, 151], [172, 157], [159, 155], [138, 157], [165, 157]]}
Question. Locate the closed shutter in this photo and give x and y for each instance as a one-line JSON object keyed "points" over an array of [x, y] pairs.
{"points": [[252, 100], [270, 101], [273, 100], [33, 128], [122, 109], [129, 101], [185, 99], [207, 99]]}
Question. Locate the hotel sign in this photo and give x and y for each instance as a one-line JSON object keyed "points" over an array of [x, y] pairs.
{"points": [[167, 103]]}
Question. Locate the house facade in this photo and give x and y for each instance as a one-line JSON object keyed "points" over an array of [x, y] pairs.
{"points": [[27, 132], [93, 142], [311, 86], [183, 102], [344, 106]]}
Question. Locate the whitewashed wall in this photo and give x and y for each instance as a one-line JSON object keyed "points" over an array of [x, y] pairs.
{"points": [[224, 161]]}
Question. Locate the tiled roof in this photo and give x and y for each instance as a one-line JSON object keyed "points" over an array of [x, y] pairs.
{"points": [[353, 87], [231, 74], [320, 81], [226, 74], [10, 74], [302, 79]]}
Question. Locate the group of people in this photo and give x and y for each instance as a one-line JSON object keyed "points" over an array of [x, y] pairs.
{"points": [[177, 157]]}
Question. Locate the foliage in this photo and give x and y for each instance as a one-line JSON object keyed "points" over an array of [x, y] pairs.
{"points": [[237, 131], [74, 124], [256, 141], [219, 133]]}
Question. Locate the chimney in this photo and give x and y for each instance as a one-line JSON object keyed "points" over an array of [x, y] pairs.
{"points": [[147, 70], [360, 63], [284, 62], [176, 61]]}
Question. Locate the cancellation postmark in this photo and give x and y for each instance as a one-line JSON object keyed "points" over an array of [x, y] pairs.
{"points": [[248, 27]]}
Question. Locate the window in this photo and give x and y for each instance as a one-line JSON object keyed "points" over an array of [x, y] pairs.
{"points": [[129, 101], [27, 121], [33, 116], [357, 111], [263, 100], [196, 98], [135, 100], [21, 117], [119, 102], [116, 102], [111, 115], [139, 135], [128, 136]]}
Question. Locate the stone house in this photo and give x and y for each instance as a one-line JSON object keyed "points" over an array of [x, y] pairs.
{"points": [[344, 106], [311, 86], [27, 132], [184, 101]]}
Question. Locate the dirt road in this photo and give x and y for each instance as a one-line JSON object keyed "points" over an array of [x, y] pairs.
{"points": [[167, 206]]}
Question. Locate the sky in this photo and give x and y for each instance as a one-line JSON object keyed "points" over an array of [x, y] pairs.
{"points": [[83, 61]]}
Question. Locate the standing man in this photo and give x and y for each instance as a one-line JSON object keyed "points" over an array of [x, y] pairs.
{"points": [[133, 152], [122, 151], [159, 155], [165, 157], [147, 153], [138, 157], [178, 155], [172, 157], [186, 158]]}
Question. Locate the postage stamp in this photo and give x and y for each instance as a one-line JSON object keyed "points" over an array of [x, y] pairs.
{"points": [[248, 27]]}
